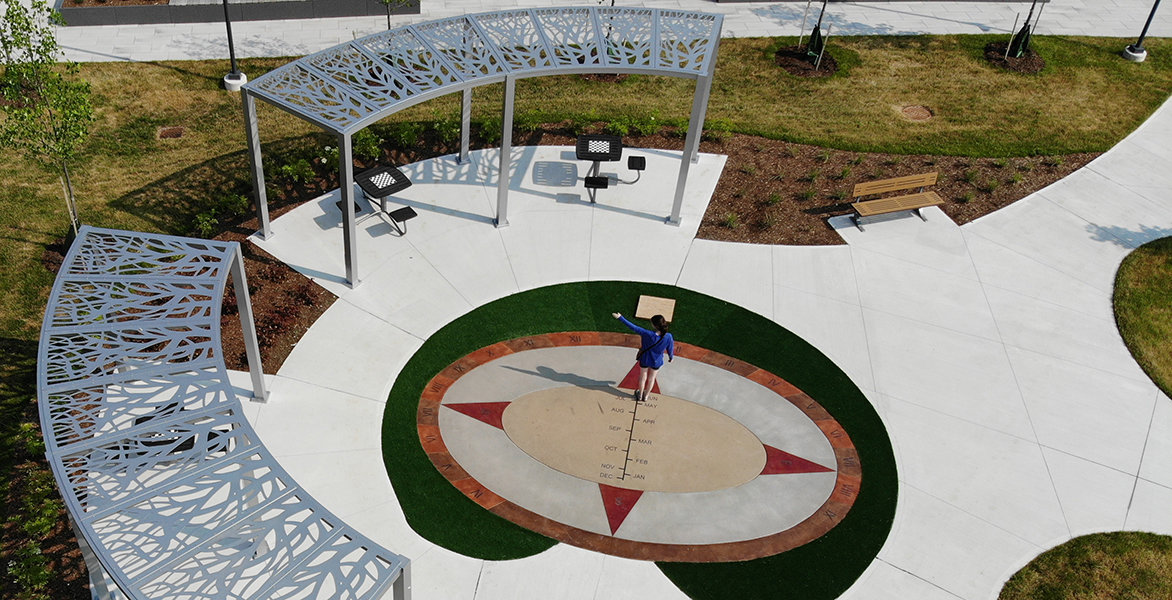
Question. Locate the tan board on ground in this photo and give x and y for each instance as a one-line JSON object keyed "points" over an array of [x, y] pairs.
{"points": [[649, 306]]}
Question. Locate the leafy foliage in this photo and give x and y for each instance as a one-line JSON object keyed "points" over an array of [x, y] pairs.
{"points": [[47, 108]]}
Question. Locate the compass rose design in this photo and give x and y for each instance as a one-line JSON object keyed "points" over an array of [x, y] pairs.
{"points": [[728, 462]]}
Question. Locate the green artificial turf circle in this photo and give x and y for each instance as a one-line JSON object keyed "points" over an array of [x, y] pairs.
{"points": [[821, 569]]}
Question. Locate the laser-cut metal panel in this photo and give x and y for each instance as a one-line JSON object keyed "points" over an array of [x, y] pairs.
{"points": [[327, 102], [517, 38], [460, 43], [629, 37], [364, 74], [338, 88], [163, 476], [411, 59], [687, 41], [573, 35]]}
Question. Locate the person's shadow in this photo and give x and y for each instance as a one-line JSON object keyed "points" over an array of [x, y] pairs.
{"points": [[571, 379]]}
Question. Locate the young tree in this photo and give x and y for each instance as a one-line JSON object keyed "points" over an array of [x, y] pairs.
{"points": [[46, 108], [393, 3]]}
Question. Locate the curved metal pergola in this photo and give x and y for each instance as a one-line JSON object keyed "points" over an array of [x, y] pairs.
{"points": [[168, 488], [348, 87]]}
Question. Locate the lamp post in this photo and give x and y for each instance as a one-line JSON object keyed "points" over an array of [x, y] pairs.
{"points": [[234, 79], [1136, 52]]}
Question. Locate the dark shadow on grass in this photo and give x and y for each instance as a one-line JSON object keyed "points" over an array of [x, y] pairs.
{"points": [[171, 204]]}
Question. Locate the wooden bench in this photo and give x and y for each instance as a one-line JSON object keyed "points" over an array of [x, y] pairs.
{"points": [[914, 202]]}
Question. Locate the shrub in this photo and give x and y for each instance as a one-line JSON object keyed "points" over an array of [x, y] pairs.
{"points": [[717, 130], [839, 195], [405, 135], [731, 220], [813, 175], [808, 194], [617, 127], [966, 198], [845, 172], [296, 171], [749, 169], [490, 131], [329, 155], [447, 130], [233, 204], [773, 198], [824, 156], [970, 175], [367, 145], [528, 121], [205, 223]]}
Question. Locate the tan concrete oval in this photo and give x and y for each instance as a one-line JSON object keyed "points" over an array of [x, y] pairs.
{"points": [[674, 445]]}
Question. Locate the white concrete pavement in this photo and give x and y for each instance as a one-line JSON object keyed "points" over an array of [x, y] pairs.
{"points": [[1018, 417], [190, 41]]}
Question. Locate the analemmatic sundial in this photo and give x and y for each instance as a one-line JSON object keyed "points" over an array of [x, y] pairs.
{"points": [[725, 462]]}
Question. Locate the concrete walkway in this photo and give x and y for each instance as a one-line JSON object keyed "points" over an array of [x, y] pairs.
{"points": [[1018, 417], [188, 41]]}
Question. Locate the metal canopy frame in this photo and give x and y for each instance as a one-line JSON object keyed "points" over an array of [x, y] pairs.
{"points": [[350, 86], [169, 489]]}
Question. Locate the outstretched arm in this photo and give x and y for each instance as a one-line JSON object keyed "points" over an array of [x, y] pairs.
{"points": [[630, 325]]}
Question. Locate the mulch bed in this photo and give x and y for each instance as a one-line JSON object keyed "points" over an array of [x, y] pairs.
{"points": [[1028, 63], [797, 61]]}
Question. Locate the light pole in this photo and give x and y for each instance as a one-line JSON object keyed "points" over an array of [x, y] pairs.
{"points": [[1136, 52], [234, 79]]}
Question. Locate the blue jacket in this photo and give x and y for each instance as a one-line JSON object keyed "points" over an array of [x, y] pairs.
{"points": [[653, 345]]}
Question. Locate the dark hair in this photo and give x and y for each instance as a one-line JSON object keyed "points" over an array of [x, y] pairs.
{"points": [[660, 323]]}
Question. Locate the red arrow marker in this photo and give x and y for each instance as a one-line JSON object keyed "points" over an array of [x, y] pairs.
{"points": [[778, 462], [631, 381], [618, 503], [489, 412]]}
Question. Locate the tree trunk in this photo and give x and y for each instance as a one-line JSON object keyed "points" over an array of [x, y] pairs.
{"points": [[388, 16], [70, 202]]}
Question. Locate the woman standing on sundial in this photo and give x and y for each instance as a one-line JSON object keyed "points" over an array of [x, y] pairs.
{"points": [[651, 350]]}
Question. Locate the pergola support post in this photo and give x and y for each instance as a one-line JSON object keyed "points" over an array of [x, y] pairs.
{"points": [[260, 196], [248, 327], [401, 589], [349, 229], [691, 152], [102, 586], [504, 168], [465, 125]]}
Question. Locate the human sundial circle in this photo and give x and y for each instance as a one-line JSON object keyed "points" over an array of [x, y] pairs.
{"points": [[722, 462]]}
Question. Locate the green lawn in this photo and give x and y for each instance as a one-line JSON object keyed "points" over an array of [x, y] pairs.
{"points": [[819, 570], [1143, 308], [1123, 565]]}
